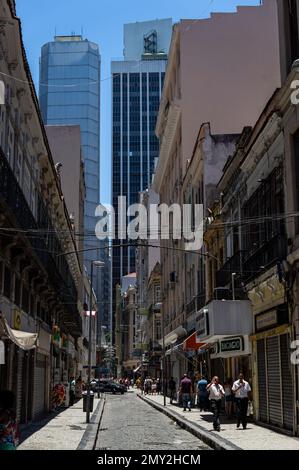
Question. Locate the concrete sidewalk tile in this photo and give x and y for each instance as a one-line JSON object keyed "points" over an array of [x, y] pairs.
{"points": [[253, 438], [63, 431]]}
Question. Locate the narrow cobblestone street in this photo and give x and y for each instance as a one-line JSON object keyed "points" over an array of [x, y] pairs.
{"points": [[130, 424]]}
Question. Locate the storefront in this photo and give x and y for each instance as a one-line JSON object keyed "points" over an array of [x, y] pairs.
{"points": [[231, 356], [274, 374], [17, 367], [225, 326]]}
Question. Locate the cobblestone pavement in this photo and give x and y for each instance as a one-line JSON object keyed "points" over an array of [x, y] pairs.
{"points": [[253, 438], [131, 424]]}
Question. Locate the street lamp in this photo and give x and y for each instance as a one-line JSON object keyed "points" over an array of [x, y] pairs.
{"points": [[159, 305], [233, 285], [98, 264]]}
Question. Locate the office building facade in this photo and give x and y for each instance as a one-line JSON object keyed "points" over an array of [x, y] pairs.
{"points": [[136, 92], [70, 73]]}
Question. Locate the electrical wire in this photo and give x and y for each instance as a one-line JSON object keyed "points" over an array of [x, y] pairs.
{"points": [[96, 82]]}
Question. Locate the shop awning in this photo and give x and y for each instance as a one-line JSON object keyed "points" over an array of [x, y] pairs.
{"points": [[173, 336], [22, 339], [192, 343]]}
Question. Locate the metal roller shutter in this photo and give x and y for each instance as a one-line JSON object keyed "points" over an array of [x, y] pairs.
{"points": [[39, 385], [262, 381], [19, 375], [287, 384], [274, 381]]}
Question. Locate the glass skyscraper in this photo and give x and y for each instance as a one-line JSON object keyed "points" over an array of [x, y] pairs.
{"points": [[136, 92], [69, 92]]}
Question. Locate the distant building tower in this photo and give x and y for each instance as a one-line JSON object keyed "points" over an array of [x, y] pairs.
{"points": [[70, 73], [136, 92]]}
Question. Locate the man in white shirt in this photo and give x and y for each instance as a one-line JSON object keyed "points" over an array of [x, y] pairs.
{"points": [[216, 392], [241, 388]]}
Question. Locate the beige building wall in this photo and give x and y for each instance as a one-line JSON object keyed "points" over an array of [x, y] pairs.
{"points": [[222, 70], [65, 143], [221, 73]]}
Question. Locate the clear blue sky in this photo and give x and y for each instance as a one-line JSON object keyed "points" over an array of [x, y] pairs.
{"points": [[102, 22]]}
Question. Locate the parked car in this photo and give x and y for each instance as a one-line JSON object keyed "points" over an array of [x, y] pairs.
{"points": [[105, 386]]}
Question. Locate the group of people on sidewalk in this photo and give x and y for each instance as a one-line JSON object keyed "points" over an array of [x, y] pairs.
{"points": [[149, 386], [210, 395]]}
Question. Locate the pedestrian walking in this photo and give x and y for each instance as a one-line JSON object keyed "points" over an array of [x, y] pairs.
{"points": [[202, 394], [9, 430], [186, 391], [228, 398], [158, 386], [172, 389], [241, 388], [216, 392], [148, 386], [72, 390]]}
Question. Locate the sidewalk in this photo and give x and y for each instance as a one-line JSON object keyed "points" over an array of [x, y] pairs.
{"points": [[230, 438], [65, 430]]}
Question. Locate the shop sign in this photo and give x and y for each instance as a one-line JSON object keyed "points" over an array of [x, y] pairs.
{"points": [[231, 344], [16, 319], [266, 320], [2, 353], [202, 323]]}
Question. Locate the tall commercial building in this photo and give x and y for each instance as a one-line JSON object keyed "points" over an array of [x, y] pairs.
{"points": [[70, 70], [137, 88]]}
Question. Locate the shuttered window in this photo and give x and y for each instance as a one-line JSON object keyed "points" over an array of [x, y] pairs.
{"points": [[275, 384]]}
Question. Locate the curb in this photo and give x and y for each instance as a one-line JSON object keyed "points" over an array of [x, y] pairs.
{"points": [[217, 443], [89, 438]]}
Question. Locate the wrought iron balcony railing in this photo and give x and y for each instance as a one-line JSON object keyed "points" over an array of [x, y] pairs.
{"points": [[264, 257], [46, 245], [232, 265]]}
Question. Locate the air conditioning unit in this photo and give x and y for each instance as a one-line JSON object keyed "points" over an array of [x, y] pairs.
{"points": [[222, 293]]}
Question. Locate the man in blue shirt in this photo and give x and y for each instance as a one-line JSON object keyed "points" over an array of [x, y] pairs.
{"points": [[202, 394]]}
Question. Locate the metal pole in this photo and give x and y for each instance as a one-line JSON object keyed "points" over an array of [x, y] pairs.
{"points": [[164, 357], [233, 285], [89, 349]]}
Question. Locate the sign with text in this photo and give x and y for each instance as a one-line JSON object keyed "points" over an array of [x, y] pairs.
{"points": [[266, 320], [231, 344]]}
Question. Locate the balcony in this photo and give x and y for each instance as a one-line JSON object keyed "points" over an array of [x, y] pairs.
{"points": [[232, 265], [57, 268], [265, 257], [195, 304]]}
